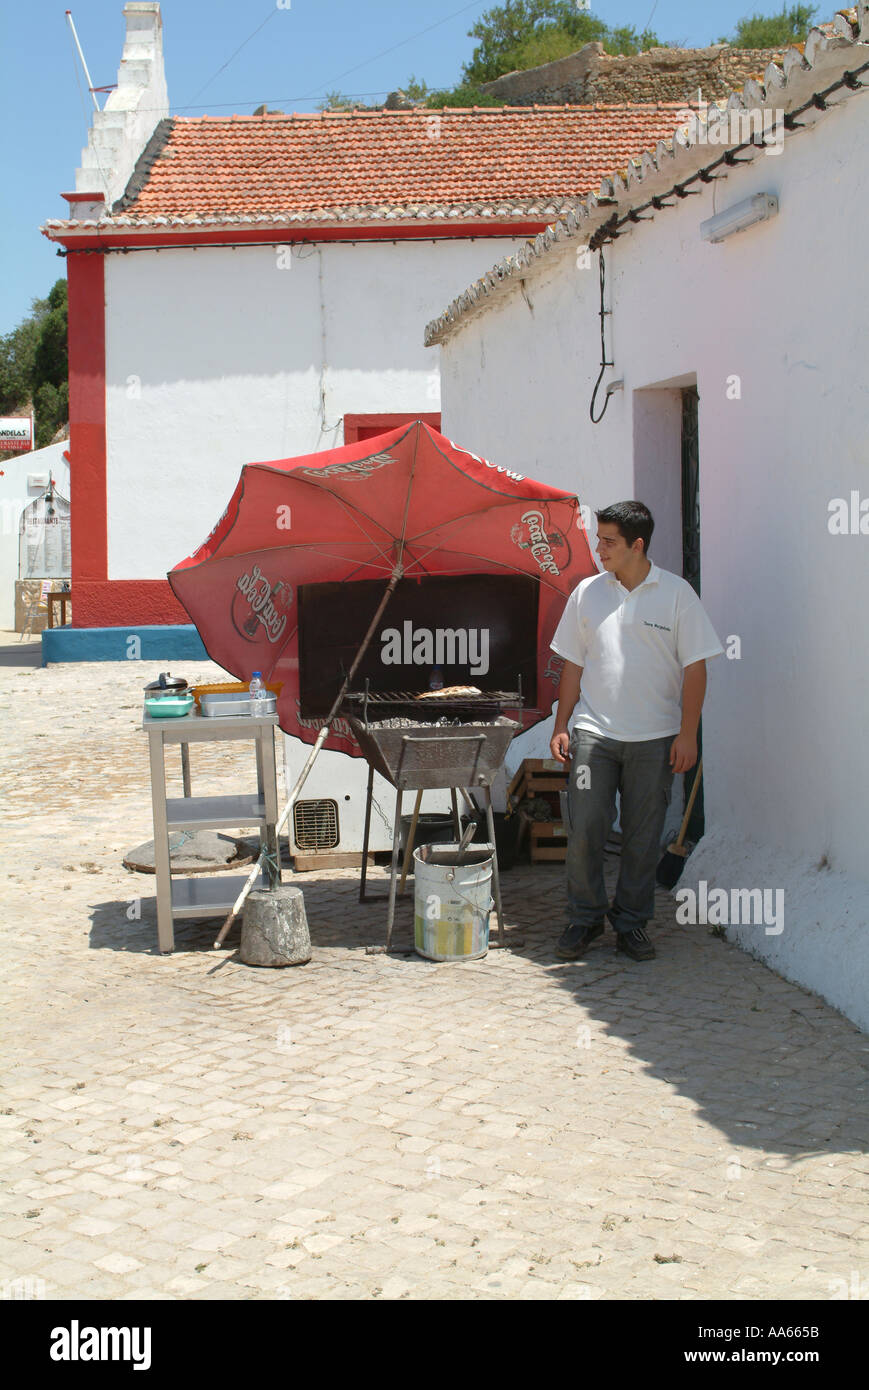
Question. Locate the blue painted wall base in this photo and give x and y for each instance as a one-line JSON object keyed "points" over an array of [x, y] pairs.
{"points": [[172, 642]]}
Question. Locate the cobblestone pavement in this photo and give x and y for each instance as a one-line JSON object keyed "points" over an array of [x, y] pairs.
{"points": [[380, 1127]]}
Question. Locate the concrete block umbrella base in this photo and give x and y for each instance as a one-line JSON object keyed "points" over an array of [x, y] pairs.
{"points": [[274, 928]]}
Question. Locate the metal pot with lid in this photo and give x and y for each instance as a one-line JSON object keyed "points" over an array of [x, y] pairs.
{"points": [[166, 685]]}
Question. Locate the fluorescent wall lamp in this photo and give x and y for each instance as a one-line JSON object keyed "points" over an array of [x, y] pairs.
{"points": [[758, 208]]}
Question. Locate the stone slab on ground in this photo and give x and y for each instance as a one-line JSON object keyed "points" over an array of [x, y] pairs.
{"points": [[192, 852]]}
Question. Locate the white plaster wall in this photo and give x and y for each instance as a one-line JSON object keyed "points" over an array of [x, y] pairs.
{"points": [[786, 752], [823, 915], [516, 385], [216, 358], [14, 497]]}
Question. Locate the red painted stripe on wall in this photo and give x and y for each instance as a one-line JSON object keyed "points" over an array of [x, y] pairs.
{"points": [[118, 602], [87, 423]]}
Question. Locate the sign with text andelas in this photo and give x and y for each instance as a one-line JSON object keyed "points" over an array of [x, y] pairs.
{"points": [[16, 432]]}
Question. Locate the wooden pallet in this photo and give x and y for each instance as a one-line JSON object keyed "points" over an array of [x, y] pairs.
{"points": [[548, 842], [536, 776]]}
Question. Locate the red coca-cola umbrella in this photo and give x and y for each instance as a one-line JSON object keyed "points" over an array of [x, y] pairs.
{"points": [[406, 505]]}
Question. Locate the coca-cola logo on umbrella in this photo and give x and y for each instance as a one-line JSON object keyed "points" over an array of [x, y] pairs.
{"points": [[362, 468], [534, 532], [259, 609]]}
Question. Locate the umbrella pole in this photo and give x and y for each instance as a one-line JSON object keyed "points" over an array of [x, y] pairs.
{"points": [[318, 744]]}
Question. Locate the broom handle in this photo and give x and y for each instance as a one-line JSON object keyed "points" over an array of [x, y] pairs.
{"points": [[683, 828], [318, 744]]}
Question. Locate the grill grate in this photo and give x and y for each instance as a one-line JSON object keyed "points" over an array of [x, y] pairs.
{"points": [[382, 704], [315, 824], [508, 698]]}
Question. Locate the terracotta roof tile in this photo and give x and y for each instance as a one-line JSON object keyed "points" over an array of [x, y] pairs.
{"points": [[509, 160]]}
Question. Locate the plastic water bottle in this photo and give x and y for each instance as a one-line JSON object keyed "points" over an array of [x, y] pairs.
{"points": [[258, 693]]}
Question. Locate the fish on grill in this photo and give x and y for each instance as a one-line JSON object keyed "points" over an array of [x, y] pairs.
{"points": [[449, 692]]}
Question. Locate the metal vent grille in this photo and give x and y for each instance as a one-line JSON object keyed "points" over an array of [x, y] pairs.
{"points": [[315, 824]]}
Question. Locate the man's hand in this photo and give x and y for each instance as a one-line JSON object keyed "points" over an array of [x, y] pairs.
{"points": [[683, 753], [559, 747], [568, 694]]}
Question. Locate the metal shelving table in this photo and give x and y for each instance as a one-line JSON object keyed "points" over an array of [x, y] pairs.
{"points": [[208, 895]]}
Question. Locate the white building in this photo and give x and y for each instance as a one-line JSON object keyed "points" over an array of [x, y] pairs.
{"points": [[252, 287], [765, 328]]}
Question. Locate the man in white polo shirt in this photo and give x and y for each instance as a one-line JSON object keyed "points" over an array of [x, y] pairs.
{"points": [[635, 640]]}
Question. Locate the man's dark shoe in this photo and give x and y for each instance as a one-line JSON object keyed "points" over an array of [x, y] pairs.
{"points": [[635, 944], [573, 943]]}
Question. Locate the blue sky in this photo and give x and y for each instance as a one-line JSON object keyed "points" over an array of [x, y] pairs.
{"points": [[300, 52]]}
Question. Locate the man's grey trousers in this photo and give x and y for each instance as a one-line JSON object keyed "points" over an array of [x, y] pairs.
{"points": [[641, 773]]}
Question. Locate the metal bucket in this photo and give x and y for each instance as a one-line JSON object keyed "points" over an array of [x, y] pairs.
{"points": [[432, 828], [452, 902]]}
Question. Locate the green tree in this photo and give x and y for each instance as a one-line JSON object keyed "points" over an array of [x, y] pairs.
{"points": [[523, 33], [34, 365], [338, 101], [415, 89], [17, 351], [773, 31], [465, 94], [50, 361], [51, 409]]}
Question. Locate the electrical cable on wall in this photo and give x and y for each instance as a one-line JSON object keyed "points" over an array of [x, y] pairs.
{"points": [[604, 363], [238, 245], [611, 229]]}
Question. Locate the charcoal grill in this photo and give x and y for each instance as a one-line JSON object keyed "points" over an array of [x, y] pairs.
{"points": [[423, 756], [452, 742]]}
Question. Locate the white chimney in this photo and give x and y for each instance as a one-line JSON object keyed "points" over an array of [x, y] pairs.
{"points": [[123, 128]]}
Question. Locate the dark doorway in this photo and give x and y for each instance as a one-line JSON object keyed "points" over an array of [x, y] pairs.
{"points": [[691, 562]]}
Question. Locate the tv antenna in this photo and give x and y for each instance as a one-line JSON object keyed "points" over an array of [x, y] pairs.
{"points": [[91, 88]]}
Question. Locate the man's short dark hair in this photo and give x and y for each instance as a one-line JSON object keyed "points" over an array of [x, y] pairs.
{"points": [[633, 519]]}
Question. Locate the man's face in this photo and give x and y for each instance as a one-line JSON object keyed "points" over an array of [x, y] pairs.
{"points": [[613, 549]]}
